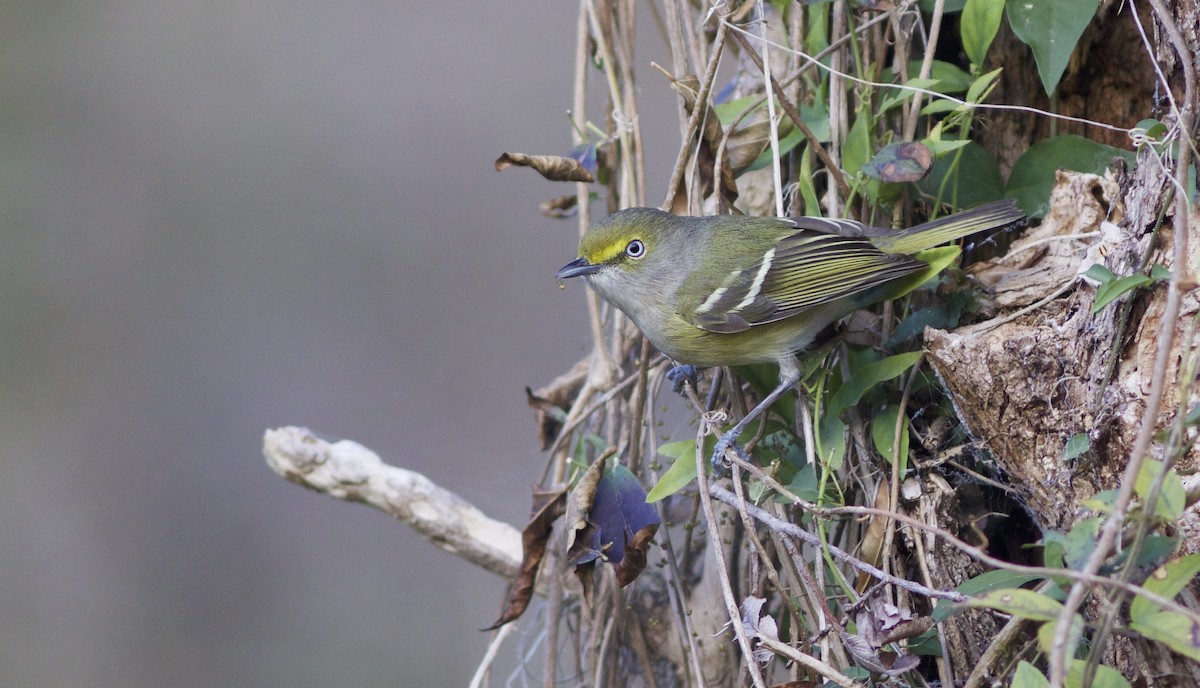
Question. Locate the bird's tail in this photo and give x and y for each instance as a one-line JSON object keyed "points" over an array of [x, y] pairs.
{"points": [[945, 229]]}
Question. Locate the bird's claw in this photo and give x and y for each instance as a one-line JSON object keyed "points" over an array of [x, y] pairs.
{"points": [[683, 374], [720, 465]]}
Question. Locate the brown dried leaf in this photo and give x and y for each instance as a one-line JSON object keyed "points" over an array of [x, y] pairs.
{"points": [[879, 624], [872, 540], [580, 503], [559, 208], [556, 168], [635, 555], [548, 506]]}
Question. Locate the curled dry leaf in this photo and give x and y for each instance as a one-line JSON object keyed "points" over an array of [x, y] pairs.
{"points": [[879, 624], [548, 506], [556, 168], [559, 208], [758, 626], [583, 496]]}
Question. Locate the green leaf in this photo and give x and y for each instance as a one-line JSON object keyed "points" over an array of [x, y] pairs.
{"points": [[1105, 676], [866, 377], [944, 77], [1081, 541], [831, 440], [1100, 273], [1100, 502], [1026, 604], [1172, 499], [974, 180], [730, 110], [786, 144], [1172, 629], [898, 96], [979, 23], [1076, 445], [990, 580], [1153, 129], [1167, 580], [1051, 29], [681, 473], [950, 79], [938, 106], [1032, 176], [926, 644], [856, 151], [930, 316], [1053, 549], [1110, 291], [1160, 273], [942, 148], [805, 181], [1155, 549], [805, 485], [1045, 635], [1027, 676], [995, 580], [883, 433], [981, 86]]}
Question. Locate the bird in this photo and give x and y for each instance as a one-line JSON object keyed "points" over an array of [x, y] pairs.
{"points": [[729, 290]]}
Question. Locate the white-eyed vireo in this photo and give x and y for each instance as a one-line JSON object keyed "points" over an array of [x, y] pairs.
{"points": [[732, 289]]}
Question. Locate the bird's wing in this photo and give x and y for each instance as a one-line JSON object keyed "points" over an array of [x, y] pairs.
{"points": [[802, 270]]}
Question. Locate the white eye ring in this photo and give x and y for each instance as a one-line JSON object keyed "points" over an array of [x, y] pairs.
{"points": [[635, 249]]}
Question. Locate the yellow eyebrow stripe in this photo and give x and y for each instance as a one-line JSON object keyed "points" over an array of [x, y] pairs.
{"points": [[608, 251]]}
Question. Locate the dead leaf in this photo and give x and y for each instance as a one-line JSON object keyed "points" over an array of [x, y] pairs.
{"points": [[881, 623], [556, 168], [548, 506], [583, 496], [559, 208]]}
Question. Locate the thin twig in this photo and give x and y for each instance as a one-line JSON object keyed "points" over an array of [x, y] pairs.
{"points": [[698, 111], [809, 661], [714, 535], [724, 495]]}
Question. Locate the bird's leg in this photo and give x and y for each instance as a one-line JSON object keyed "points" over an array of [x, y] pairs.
{"points": [[682, 374], [729, 438]]}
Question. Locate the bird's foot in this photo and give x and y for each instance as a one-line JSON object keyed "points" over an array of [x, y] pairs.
{"points": [[683, 374], [728, 441]]}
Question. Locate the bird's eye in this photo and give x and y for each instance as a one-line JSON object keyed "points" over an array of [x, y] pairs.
{"points": [[635, 249]]}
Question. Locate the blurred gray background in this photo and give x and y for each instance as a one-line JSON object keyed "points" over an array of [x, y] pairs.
{"points": [[219, 217]]}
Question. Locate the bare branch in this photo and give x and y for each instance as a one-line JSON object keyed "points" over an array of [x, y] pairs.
{"points": [[347, 470]]}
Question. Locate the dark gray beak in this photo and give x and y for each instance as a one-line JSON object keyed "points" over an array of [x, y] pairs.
{"points": [[577, 268]]}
